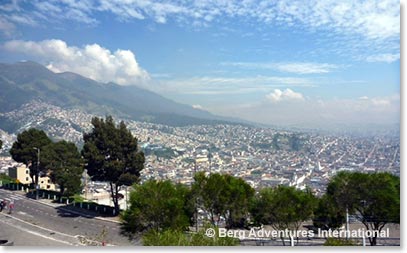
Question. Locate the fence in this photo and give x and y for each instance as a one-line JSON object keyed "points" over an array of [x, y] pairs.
{"points": [[315, 241], [56, 197]]}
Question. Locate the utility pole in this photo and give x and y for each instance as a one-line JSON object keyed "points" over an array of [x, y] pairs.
{"points": [[196, 202], [210, 161], [126, 196], [347, 223], [37, 173]]}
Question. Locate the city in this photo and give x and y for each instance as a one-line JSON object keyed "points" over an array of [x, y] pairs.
{"points": [[200, 123], [261, 156]]}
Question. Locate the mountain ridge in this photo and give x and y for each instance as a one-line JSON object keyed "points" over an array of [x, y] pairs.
{"points": [[22, 82]]}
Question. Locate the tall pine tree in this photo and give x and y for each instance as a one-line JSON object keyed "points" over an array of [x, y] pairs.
{"points": [[111, 155]]}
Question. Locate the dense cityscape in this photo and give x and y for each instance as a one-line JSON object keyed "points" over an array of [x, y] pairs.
{"points": [[261, 156]]}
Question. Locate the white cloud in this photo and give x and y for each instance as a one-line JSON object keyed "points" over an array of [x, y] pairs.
{"points": [[380, 102], [306, 68], [290, 67], [319, 113], [6, 27], [229, 85], [374, 19], [197, 107], [92, 61], [286, 95], [358, 24], [389, 58]]}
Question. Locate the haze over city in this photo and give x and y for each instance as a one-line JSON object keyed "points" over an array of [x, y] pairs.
{"points": [[288, 63]]}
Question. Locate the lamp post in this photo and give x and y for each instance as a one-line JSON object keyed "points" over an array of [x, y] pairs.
{"points": [[37, 173], [196, 202]]}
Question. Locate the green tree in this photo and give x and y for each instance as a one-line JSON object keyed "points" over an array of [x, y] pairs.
{"points": [[111, 155], [157, 205], [341, 189], [374, 197], [224, 195], [327, 215], [283, 207], [66, 165], [25, 150]]}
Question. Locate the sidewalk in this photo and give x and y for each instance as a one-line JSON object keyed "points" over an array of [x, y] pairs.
{"points": [[70, 208], [78, 210]]}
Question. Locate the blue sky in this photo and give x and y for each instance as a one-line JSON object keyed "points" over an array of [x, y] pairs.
{"points": [[278, 62]]}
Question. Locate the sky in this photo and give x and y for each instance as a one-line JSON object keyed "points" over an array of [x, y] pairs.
{"points": [[283, 62]]}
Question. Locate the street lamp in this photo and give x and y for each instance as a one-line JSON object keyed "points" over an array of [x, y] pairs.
{"points": [[37, 172], [196, 202]]}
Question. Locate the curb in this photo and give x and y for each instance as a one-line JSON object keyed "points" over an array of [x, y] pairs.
{"points": [[67, 210], [63, 207]]}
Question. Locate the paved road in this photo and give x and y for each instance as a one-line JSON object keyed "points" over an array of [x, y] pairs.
{"points": [[54, 224], [22, 235]]}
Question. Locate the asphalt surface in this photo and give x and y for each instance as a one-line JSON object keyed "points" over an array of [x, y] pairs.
{"points": [[36, 224]]}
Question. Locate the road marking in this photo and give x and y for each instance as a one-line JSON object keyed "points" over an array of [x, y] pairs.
{"points": [[47, 229], [36, 233], [16, 197], [24, 213]]}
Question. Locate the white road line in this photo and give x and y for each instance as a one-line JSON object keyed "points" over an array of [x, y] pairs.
{"points": [[24, 213], [36, 233], [15, 197], [47, 229]]}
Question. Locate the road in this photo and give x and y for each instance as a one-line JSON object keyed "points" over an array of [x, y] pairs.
{"points": [[54, 225]]}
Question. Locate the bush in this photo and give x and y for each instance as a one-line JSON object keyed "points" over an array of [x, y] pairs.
{"points": [[180, 238], [6, 179], [78, 198], [339, 242]]}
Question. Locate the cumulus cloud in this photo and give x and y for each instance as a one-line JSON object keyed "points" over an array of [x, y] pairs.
{"points": [[374, 23], [286, 95], [92, 61]]}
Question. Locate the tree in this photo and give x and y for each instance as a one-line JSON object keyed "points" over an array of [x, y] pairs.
{"points": [[375, 198], [1, 144], [239, 194], [111, 155], [223, 195], [327, 215], [25, 150], [66, 165], [157, 205], [342, 190], [379, 202], [283, 207]]}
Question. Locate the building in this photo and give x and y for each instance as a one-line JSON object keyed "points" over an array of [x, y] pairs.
{"points": [[21, 173], [45, 183]]}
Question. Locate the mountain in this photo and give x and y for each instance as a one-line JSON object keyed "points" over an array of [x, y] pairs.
{"points": [[27, 81]]}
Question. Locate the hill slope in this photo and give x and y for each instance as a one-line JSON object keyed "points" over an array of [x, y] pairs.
{"points": [[29, 81]]}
